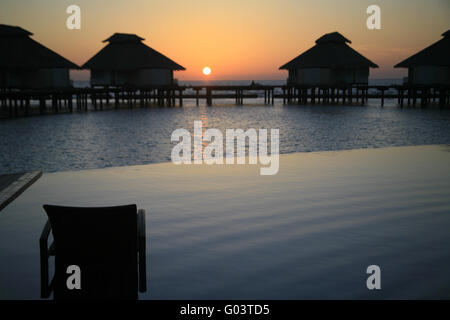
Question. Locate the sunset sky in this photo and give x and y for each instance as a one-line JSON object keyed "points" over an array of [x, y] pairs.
{"points": [[238, 39]]}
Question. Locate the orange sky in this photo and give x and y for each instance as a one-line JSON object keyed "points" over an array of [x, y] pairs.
{"points": [[238, 39]]}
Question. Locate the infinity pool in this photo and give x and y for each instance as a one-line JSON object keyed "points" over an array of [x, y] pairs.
{"points": [[226, 232]]}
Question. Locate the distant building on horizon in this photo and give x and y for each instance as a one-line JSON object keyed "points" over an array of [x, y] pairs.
{"points": [[25, 63], [126, 61], [330, 62], [431, 66]]}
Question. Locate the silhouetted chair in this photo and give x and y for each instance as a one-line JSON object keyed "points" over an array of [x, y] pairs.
{"points": [[108, 246]]}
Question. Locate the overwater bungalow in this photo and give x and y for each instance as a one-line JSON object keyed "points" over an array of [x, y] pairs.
{"points": [[25, 63], [431, 66], [126, 61], [330, 62]]}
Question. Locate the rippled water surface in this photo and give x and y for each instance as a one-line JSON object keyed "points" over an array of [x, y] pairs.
{"points": [[140, 136], [226, 232]]}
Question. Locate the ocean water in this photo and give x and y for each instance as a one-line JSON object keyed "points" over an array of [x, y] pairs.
{"points": [[382, 81], [99, 139], [141, 136]]}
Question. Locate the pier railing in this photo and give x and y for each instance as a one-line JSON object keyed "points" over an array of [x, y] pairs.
{"points": [[22, 102]]}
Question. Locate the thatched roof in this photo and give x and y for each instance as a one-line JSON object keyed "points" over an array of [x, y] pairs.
{"points": [[127, 52], [333, 37], [19, 52], [331, 51], [438, 54], [123, 37]]}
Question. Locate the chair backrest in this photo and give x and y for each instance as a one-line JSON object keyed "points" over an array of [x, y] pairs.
{"points": [[102, 242]]}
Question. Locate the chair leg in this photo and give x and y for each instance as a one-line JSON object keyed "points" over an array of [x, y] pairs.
{"points": [[44, 256], [142, 251]]}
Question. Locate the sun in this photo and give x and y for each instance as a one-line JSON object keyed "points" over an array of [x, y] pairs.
{"points": [[206, 71]]}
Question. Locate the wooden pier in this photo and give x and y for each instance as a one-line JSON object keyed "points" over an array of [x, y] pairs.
{"points": [[15, 103]]}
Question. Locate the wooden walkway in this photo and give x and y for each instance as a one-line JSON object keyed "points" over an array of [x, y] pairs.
{"points": [[15, 103], [12, 185]]}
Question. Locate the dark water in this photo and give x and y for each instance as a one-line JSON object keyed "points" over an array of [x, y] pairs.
{"points": [[225, 232], [141, 136]]}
